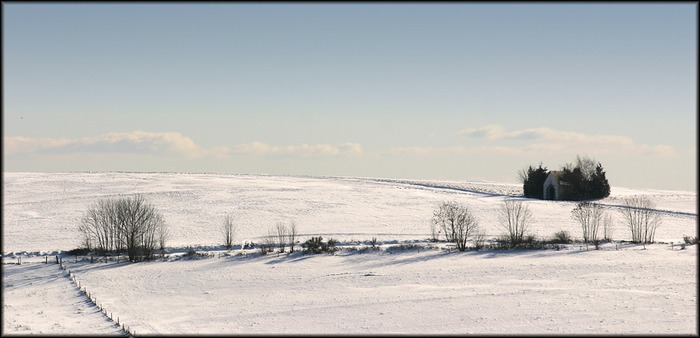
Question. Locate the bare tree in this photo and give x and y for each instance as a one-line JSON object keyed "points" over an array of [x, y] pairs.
{"points": [[457, 222], [127, 222], [268, 242], [434, 232], [607, 227], [515, 218], [641, 218], [522, 175], [479, 239], [587, 166], [228, 231], [292, 234], [281, 232], [445, 217], [590, 215], [138, 221], [99, 227], [163, 237]]}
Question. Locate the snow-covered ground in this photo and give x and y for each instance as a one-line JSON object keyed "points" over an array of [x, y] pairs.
{"points": [[629, 290], [41, 299]]}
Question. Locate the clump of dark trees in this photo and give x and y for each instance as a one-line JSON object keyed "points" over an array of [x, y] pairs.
{"points": [[585, 180]]}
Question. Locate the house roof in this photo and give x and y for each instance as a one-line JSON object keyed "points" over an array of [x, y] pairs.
{"points": [[555, 173], [556, 177]]}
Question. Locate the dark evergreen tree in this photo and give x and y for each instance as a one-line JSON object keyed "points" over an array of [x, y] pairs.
{"points": [[533, 185], [578, 187], [599, 184], [573, 184]]}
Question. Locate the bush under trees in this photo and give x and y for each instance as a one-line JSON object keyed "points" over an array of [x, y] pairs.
{"points": [[690, 240], [562, 237], [317, 245], [124, 224]]}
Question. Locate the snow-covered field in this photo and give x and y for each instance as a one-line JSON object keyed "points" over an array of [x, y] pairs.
{"points": [[430, 290]]}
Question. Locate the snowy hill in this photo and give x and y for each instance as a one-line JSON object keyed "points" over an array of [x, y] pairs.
{"points": [[41, 211], [621, 289]]}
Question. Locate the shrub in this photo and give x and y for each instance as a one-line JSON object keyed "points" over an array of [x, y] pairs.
{"points": [[330, 246], [409, 246], [529, 242], [561, 237], [79, 251], [362, 249], [690, 240], [597, 244], [479, 240], [314, 245], [193, 254]]}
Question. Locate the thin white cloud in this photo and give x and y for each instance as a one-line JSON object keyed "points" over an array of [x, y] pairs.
{"points": [[490, 132], [497, 132], [455, 150], [131, 142], [13, 145], [142, 142], [544, 140], [260, 148]]}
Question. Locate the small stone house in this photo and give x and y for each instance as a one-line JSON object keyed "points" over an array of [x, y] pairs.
{"points": [[553, 188]]}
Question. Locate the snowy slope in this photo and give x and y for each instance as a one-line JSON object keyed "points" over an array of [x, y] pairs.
{"points": [[41, 211], [629, 290], [40, 299]]}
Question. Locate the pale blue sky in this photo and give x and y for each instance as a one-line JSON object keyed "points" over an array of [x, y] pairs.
{"points": [[427, 91]]}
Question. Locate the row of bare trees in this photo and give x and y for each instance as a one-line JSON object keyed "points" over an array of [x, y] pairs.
{"points": [[125, 224], [280, 236], [638, 214], [458, 224], [134, 226]]}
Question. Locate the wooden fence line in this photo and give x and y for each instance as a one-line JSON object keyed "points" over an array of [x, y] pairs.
{"points": [[72, 277]]}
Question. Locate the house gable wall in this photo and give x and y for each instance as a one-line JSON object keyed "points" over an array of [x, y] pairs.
{"points": [[554, 182]]}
